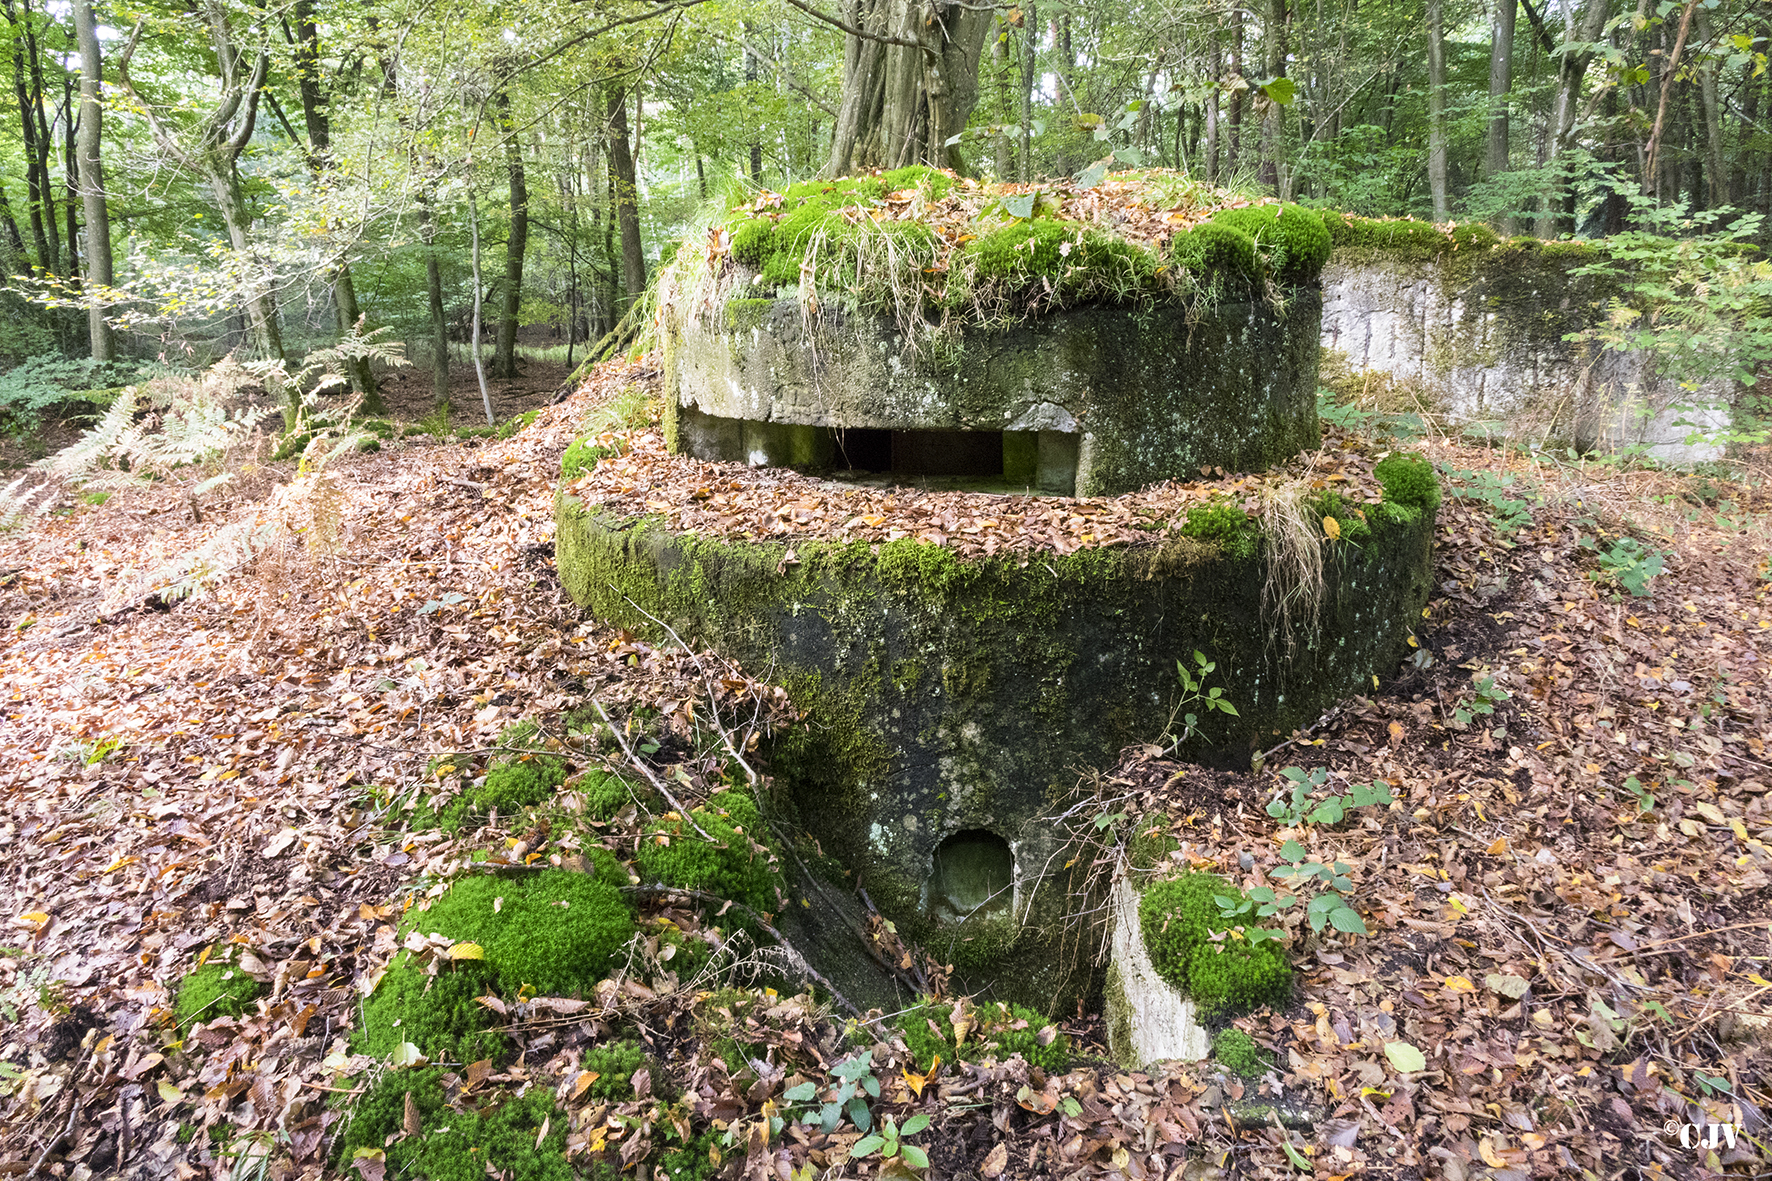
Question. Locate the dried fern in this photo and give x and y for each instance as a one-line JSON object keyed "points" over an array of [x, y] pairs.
{"points": [[18, 502]]}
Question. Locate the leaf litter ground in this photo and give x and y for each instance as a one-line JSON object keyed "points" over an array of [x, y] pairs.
{"points": [[1568, 903]]}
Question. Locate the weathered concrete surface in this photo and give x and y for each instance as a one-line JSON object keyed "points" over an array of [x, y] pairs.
{"points": [[1147, 1018], [1480, 340], [1140, 394], [945, 696]]}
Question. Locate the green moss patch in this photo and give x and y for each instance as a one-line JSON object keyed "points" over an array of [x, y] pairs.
{"points": [[614, 1064], [509, 788], [551, 932], [998, 1031], [465, 1141], [1203, 955], [739, 864], [220, 988], [1238, 1053], [1224, 525], [1292, 239], [584, 454], [1409, 480]]}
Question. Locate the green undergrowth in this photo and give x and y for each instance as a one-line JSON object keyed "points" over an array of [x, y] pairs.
{"points": [[739, 864], [509, 787], [468, 1140], [219, 988], [614, 1064], [1238, 1053], [998, 1031], [1203, 954], [549, 932]]}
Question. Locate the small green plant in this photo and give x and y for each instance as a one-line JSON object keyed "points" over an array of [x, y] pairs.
{"points": [[1195, 694], [1506, 513], [1300, 807], [1485, 696], [856, 1084], [1243, 911], [1644, 797], [1225, 525], [1329, 907], [889, 1142], [1628, 563], [994, 1030]]}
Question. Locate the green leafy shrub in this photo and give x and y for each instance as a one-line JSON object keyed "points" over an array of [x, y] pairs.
{"points": [[220, 988], [1292, 238], [999, 1031], [509, 788], [1238, 1053], [51, 384], [615, 1064], [674, 853], [1206, 956], [553, 931], [459, 1143], [1408, 479], [1225, 525]]}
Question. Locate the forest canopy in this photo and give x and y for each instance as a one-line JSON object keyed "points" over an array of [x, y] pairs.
{"points": [[188, 180]]}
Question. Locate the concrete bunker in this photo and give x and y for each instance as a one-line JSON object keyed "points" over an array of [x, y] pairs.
{"points": [[972, 876]]}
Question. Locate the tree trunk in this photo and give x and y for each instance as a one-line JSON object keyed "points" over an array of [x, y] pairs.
{"points": [[92, 180], [1234, 148], [263, 330], [751, 71], [434, 291], [627, 209], [474, 347], [318, 121], [1002, 164], [504, 361], [1501, 77], [1214, 76], [1030, 50], [1713, 121], [1559, 206], [37, 191], [71, 176], [1436, 112], [902, 103], [1275, 65]]}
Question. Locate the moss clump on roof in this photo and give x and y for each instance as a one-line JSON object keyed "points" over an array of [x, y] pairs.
{"points": [[553, 932], [220, 988], [1292, 239], [1083, 263], [509, 788], [738, 865], [1404, 238], [1203, 954], [1408, 480], [458, 1143], [1225, 525], [998, 1031], [1210, 248]]}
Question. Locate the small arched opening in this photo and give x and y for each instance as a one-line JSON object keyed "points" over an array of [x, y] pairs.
{"points": [[973, 875]]}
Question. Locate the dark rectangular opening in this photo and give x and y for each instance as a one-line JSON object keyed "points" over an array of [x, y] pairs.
{"points": [[863, 449], [948, 453]]}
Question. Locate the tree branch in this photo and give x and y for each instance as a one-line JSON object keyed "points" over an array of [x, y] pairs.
{"points": [[838, 22]]}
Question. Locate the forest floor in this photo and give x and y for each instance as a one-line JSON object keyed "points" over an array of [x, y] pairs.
{"points": [[1569, 906]]}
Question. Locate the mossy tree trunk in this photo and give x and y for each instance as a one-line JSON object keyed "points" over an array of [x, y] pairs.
{"points": [[504, 362], [910, 81]]}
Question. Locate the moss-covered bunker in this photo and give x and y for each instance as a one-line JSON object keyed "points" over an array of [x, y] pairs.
{"points": [[950, 697]]}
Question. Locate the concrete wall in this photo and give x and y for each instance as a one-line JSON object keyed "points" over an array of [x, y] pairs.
{"points": [[1478, 341]]}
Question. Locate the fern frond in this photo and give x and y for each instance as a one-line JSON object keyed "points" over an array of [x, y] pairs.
{"points": [[18, 502], [84, 457]]}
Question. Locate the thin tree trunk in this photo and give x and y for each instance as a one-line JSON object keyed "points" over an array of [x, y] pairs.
{"points": [[1667, 86], [1214, 76], [751, 71], [1271, 112], [1436, 112], [37, 191], [92, 180], [627, 210], [1501, 77], [434, 293], [1559, 205], [1030, 50], [1234, 149], [1713, 121], [474, 347], [317, 121], [70, 178], [1001, 163], [504, 361]]}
